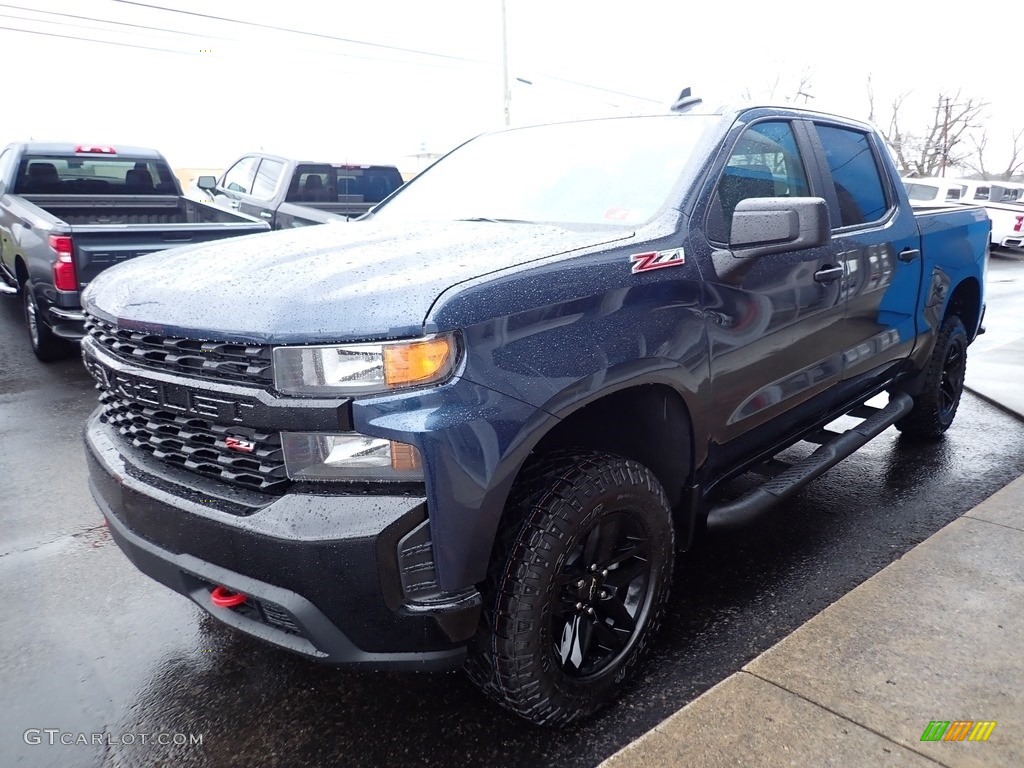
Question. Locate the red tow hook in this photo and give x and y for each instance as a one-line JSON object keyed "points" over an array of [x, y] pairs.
{"points": [[223, 597]]}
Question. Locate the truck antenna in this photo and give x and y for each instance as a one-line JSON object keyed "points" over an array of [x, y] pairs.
{"points": [[685, 101]]}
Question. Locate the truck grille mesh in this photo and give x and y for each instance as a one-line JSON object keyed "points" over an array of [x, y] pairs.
{"points": [[249, 364], [199, 445]]}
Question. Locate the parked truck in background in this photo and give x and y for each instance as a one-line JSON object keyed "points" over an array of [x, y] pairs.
{"points": [[291, 193], [1003, 201], [476, 426], [67, 212]]}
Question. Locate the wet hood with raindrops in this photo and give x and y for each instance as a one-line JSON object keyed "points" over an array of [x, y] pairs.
{"points": [[341, 282]]}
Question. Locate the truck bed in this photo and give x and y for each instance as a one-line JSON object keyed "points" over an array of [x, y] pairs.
{"points": [[120, 210]]}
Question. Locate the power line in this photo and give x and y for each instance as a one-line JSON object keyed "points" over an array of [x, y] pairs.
{"points": [[604, 90], [155, 29], [373, 45], [243, 22], [62, 24], [303, 32], [103, 21], [93, 40]]}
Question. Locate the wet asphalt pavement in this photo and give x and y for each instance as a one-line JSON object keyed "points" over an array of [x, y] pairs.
{"points": [[91, 646]]}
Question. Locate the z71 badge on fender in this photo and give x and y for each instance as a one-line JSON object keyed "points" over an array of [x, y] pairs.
{"points": [[645, 262]]}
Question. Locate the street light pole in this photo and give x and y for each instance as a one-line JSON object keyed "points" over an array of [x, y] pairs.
{"points": [[505, 89]]}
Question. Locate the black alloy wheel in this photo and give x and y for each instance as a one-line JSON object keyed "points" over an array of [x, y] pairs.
{"points": [[936, 404], [951, 386], [578, 580], [603, 592]]}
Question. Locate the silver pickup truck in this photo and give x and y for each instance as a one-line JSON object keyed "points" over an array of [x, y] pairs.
{"points": [[288, 193], [68, 211]]}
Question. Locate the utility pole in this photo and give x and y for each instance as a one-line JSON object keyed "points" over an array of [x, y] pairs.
{"points": [[506, 91], [945, 140]]}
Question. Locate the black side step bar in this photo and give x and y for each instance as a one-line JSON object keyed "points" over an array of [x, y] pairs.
{"points": [[736, 514]]}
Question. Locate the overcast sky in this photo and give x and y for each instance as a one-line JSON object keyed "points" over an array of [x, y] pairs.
{"points": [[217, 89]]}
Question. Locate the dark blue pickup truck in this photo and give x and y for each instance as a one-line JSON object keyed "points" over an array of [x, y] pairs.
{"points": [[476, 427]]}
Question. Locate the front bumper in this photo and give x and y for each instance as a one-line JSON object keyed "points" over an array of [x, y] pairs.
{"points": [[326, 576]]}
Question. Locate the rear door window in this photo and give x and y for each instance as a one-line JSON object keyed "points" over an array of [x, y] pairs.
{"points": [[267, 177], [858, 181]]}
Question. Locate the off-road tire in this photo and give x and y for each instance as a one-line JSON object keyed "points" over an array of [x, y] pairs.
{"points": [[47, 346], [936, 405], [563, 504]]}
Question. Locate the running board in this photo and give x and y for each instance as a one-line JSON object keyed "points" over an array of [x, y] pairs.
{"points": [[736, 514]]}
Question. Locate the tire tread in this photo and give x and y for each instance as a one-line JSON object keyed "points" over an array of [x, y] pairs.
{"points": [[504, 666]]}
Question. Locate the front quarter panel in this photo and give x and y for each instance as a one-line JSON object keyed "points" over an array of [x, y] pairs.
{"points": [[558, 336], [550, 335]]}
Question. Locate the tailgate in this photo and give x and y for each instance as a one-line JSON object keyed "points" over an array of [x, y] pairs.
{"points": [[100, 247]]}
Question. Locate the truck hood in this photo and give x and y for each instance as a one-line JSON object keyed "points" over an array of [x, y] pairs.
{"points": [[334, 282]]}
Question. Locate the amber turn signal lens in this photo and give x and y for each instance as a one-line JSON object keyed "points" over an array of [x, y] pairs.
{"points": [[405, 458], [417, 361]]}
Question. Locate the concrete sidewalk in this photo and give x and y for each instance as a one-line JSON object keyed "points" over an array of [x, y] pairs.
{"points": [[937, 635], [997, 375]]}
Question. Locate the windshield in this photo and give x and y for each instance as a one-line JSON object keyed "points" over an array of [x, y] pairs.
{"points": [[616, 171]]}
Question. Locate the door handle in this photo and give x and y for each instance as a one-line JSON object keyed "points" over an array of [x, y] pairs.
{"points": [[266, 214], [909, 254], [234, 204], [828, 274]]}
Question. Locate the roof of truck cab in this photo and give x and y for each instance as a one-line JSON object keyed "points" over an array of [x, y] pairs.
{"points": [[332, 163], [68, 148], [735, 109]]}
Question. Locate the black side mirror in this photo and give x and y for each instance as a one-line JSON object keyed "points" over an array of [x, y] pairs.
{"points": [[763, 225], [207, 183]]}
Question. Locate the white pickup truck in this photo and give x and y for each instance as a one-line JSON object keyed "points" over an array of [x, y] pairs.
{"points": [[930, 192], [1004, 201], [991, 191]]}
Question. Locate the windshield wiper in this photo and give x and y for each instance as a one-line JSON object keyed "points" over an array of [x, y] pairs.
{"points": [[496, 221]]}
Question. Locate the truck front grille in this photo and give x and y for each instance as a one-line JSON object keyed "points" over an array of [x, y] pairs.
{"points": [[200, 445], [221, 361]]}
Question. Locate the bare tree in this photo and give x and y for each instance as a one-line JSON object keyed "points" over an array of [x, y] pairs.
{"points": [[1016, 162], [939, 146], [773, 93], [977, 163]]}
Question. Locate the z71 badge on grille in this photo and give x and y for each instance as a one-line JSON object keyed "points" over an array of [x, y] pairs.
{"points": [[240, 445], [645, 262]]}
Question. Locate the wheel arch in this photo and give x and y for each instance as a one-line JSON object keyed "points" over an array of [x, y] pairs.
{"points": [[649, 422], [20, 270], [965, 302]]}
